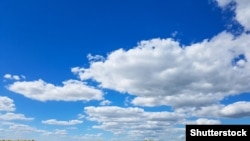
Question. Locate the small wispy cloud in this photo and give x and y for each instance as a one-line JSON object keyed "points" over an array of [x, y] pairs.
{"points": [[13, 116], [63, 123], [14, 77], [105, 102]]}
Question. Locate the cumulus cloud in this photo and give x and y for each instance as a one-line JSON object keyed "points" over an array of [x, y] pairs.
{"points": [[242, 11], [72, 90], [193, 79], [6, 104], [7, 107], [162, 72], [236, 110], [56, 122], [131, 120]]}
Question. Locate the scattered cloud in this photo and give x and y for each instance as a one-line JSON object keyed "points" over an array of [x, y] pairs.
{"points": [[63, 123], [173, 34], [16, 131], [191, 79], [238, 109], [7, 107], [95, 57], [105, 102], [131, 120], [14, 77], [80, 116], [72, 90], [22, 128], [13, 116], [57, 132], [161, 72], [6, 104]]}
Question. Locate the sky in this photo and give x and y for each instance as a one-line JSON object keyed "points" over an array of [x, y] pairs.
{"points": [[130, 70]]}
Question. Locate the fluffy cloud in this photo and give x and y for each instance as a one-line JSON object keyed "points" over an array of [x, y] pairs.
{"points": [[6, 104], [162, 72], [132, 120], [72, 90], [56, 122], [236, 110], [242, 11]]}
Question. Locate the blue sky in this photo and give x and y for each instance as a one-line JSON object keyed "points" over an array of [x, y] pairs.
{"points": [[127, 70]]}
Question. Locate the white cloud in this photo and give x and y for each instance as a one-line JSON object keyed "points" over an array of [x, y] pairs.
{"points": [[223, 3], [13, 116], [13, 77], [15, 131], [80, 116], [95, 57], [204, 121], [19, 131], [238, 109], [57, 132], [207, 121], [66, 123], [161, 72], [7, 76], [179, 100], [22, 128], [242, 11], [132, 120], [6, 104], [105, 102], [72, 90]]}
